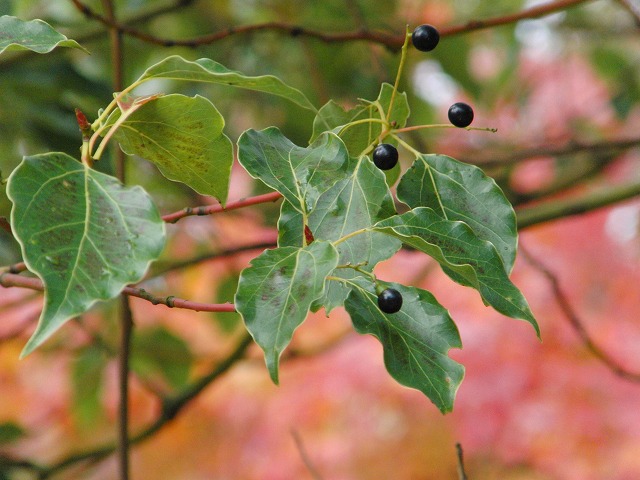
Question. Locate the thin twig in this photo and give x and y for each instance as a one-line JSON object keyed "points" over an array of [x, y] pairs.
{"points": [[576, 322], [8, 280], [211, 209], [304, 455], [495, 159], [462, 475]]}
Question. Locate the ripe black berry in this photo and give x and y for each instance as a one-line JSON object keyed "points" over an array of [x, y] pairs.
{"points": [[385, 156], [390, 300], [460, 114], [425, 38]]}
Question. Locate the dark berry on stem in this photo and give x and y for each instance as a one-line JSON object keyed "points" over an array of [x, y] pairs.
{"points": [[385, 156], [460, 114], [425, 38], [390, 300]]}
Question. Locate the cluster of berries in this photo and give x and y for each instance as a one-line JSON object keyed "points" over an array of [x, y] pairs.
{"points": [[385, 156]]}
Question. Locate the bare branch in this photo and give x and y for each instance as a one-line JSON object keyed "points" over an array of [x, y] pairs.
{"points": [[562, 208], [576, 322], [13, 280], [210, 209], [393, 42]]}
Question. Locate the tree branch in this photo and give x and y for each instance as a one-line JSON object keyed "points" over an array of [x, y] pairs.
{"points": [[562, 208], [514, 156], [576, 322], [8, 280], [393, 42], [210, 209]]}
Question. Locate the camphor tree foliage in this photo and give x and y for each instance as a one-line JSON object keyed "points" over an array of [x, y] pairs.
{"points": [[88, 232]]}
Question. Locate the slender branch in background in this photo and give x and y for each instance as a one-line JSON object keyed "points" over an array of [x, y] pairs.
{"points": [[533, 12], [126, 325], [462, 475], [171, 406], [561, 208], [126, 316], [211, 209], [576, 322], [304, 455], [163, 268], [393, 42], [495, 159]]}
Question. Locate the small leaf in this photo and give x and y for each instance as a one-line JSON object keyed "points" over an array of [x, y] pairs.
{"points": [[157, 352], [10, 432], [183, 137], [299, 174], [459, 191], [332, 117], [82, 232], [275, 293], [474, 262], [416, 339], [87, 377], [34, 35], [206, 70]]}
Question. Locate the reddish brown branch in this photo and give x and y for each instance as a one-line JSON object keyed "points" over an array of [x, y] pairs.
{"points": [[576, 322], [393, 42], [210, 209], [8, 280]]}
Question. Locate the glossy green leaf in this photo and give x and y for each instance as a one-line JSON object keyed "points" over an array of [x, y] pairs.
{"points": [[159, 354], [275, 293], [332, 117], [34, 35], [299, 174], [183, 137], [82, 232], [356, 202], [459, 191], [416, 339], [10, 432], [206, 70], [87, 377], [474, 262]]}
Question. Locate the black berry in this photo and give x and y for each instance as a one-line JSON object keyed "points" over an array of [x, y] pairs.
{"points": [[385, 156], [425, 38], [460, 114], [390, 300]]}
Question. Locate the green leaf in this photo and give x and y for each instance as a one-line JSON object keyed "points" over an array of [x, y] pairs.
{"points": [[332, 117], [10, 432], [157, 352], [34, 35], [416, 339], [459, 191], [183, 137], [206, 70], [87, 377], [354, 203], [299, 174], [82, 232], [467, 259], [275, 293]]}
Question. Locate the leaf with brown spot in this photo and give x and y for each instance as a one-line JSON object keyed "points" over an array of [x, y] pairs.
{"points": [[183, 136], [82, 232]]}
